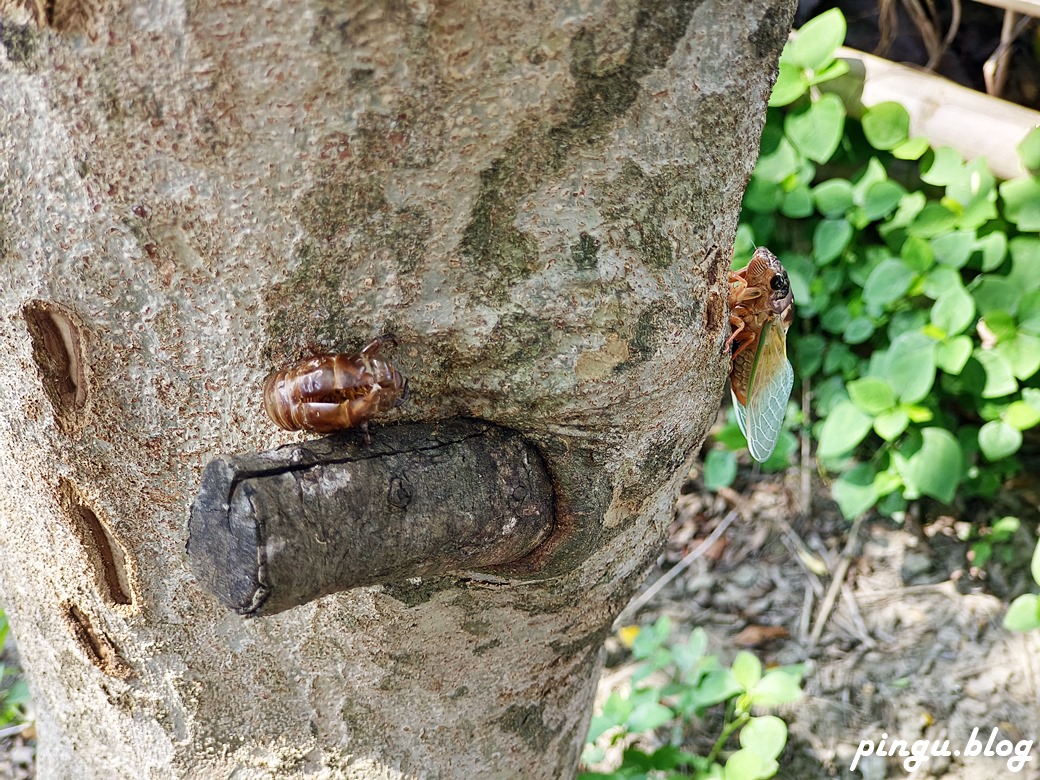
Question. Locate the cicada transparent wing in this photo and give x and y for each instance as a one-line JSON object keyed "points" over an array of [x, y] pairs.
{"points": [[769, 389]]}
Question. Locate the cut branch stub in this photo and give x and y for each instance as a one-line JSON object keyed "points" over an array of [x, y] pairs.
{"points": [[273, 530]]}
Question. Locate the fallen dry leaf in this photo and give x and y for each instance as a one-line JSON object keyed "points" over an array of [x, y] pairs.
{"points": [[755, 635]]}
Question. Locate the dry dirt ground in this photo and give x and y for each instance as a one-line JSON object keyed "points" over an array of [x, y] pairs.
{"points": [[913, 648]]}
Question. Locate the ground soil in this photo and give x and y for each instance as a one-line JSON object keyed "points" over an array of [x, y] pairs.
{"points": [[913, 649]]}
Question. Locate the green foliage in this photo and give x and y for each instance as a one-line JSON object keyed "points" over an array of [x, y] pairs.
{"points": [[1024, 612], [672, 688], [917, 283], [14, 694], [996, 539]]}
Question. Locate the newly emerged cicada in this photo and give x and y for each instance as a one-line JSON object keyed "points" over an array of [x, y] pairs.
{"points": [[329, 393], [761, 309]]}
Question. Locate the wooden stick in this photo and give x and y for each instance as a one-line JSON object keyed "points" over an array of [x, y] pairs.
{"points": [[1028, 7], [836, 581], [947, 114], [274, 530]]}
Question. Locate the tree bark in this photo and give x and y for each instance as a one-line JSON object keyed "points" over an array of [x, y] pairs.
{"points": [[538, 201]]}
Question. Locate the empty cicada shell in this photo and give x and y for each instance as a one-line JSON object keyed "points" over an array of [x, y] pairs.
{"points": [[329, 393]]}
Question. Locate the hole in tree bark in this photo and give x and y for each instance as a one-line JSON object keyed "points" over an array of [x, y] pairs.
{"points": [[58, 352], [106, 555], [96, 645]]}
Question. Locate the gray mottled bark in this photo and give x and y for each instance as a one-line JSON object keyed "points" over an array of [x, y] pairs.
{"points": [[538, 200]]}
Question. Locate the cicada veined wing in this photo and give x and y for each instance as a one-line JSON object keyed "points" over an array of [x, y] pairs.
{"points": [[769, 389]]}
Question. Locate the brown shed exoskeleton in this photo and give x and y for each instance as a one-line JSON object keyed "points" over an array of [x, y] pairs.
{"points": [[329, 393]]}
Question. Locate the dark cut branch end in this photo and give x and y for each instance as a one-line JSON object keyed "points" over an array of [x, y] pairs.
{"points": [[274, 530]]}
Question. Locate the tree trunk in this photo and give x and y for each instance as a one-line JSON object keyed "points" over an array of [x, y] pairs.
{"points": [[539, 202]]}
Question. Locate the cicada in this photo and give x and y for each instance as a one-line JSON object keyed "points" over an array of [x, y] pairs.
{"points": [[761, 309], [334, 392]]}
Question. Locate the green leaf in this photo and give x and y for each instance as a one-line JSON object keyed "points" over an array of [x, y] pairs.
{"points": [[995, 293], [909, 366], [720, 468], [974, 196], [845, 427], [887, 283], [937, 467], [918, 414], [745, 764], [747, 669], [932, 220], [816, 129], [940, 280], [855, 490], [1025, 261], [1004, 528], [836, 69], [910, 205], [911, 149], [1022, 202], [690, 652], [716, 686], [615, 712], [954, 249], [1022, 353], [1029, 151], [1029, 313], [1034, 565], [808, 354], [833, 197], [1023, 614], [830, 238], [953, 312], [797, 204], [998, 440], [765, 735], [953, 354], [777, 686], [858, 330], [881, 198], [946, 166], [1021, 416], [815, 43], [647, 717], [1001, 325], [872, 395], [1000, 378], [886, 125], [762, 196], [885, 482], [891, 424], [994, 248], [777, 161], [836, 319], [918, 254], [791, 83]]}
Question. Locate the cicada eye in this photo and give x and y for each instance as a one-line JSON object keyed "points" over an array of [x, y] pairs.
{"points": [[780, 284]]}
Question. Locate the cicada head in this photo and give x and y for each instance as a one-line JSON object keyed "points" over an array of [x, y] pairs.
{"points": [[781, 299]]}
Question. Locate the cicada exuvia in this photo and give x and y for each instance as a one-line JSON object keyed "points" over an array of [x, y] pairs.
{"points": [[329, 393]]}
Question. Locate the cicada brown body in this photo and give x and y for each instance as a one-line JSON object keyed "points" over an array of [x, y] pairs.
{"points": [[333, 392], [761, 309]]}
